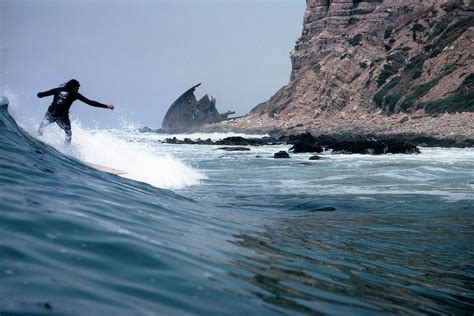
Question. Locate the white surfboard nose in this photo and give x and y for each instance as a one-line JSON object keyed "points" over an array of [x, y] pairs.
{"points": [[105, 168]]}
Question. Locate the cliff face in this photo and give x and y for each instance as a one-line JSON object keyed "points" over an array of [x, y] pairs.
{"points": [[377, 66]]}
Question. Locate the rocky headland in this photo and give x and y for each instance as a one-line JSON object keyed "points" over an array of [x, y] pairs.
{"points": [[376, 67]]}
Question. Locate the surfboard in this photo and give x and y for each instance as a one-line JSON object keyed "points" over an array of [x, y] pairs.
{"points": [[105, 168]]}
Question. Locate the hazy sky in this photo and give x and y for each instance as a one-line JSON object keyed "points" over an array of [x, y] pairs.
{"points": [[141, 55]]}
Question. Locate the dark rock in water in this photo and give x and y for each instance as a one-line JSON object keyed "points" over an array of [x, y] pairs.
{"points": [[145, 130], [228, 141], [426, 141], [188, 141], [349, 144], [187, 113], [241, 141], [315, 157], [327, 141], [234, 140], [204, 142], [305, 143], [400, 147], [173, 140], [281, 154], [306, 148], [374, 147], [324, 209], [234, 148]]}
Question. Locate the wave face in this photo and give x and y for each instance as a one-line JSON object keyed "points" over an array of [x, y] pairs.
{"points": [[75, 240], [241, 233]]}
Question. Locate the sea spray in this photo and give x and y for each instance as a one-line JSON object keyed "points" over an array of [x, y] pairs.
{"points": [[144, 162]]}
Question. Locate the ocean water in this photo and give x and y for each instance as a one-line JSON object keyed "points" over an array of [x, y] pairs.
{"points": [[193, 230]]}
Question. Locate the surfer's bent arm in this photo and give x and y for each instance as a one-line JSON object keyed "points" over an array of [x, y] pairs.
{"points": [[91, 102], [46, 93]]}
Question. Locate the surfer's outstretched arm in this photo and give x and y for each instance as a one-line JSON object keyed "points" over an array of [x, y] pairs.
{"points": [[46, 93], [93, 103]]}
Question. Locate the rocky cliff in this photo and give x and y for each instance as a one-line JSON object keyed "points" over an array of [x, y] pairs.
{"points": [[376, 66]]}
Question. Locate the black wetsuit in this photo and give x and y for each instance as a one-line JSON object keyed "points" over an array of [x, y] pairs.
{"points": [[58, 111]]}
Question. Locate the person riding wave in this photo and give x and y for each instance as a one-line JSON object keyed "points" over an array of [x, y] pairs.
{"points": [[58, 111]]}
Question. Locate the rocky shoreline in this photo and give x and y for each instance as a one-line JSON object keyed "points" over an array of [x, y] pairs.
{"points": [[306, 143], [447, 130], [277, 137]]}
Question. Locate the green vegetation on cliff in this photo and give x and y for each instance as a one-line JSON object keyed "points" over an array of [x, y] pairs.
{"points": [[410, 102], [462, 100], [404, 91], [452, 33], [385, 100]]}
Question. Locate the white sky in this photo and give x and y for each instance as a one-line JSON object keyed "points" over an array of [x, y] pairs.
{"points": [[141, 55]]}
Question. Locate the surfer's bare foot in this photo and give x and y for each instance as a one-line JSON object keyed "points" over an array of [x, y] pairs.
{"points": [[40, 132]]}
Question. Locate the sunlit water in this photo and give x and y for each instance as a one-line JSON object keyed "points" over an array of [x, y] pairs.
{"points": [[196, 230]]}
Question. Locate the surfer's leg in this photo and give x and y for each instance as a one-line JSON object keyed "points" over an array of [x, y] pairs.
{"points": [[46, 121], [68, 135], [65, 124]]}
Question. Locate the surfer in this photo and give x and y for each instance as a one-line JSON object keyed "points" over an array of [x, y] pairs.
{"points": [[58, 111]]}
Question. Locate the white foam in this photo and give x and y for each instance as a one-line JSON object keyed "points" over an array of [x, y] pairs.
{"points": [[142, 161]]}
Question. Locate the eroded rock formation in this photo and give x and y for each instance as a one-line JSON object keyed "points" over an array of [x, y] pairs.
{"points": [[187, 113]]}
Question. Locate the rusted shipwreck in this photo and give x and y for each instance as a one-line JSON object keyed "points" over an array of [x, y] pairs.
{"points": [[187, 113]]}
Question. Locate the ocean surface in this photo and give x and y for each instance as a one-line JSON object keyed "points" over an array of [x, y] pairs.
{"points": [[193, 230]]}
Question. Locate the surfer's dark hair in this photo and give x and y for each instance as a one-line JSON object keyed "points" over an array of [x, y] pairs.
{"points": [[71, 84]]}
